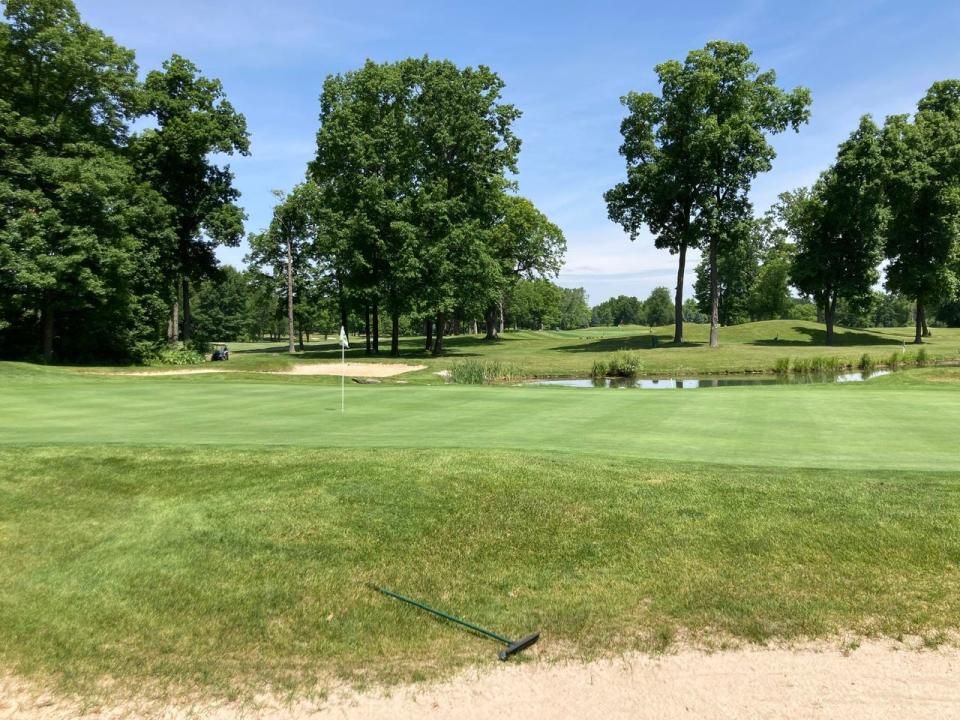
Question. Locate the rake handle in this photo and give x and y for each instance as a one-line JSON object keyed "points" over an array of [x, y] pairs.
{"points": [[446, 616]]}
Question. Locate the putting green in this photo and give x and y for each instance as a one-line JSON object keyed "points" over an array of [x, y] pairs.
{"points": [[875, 425]]}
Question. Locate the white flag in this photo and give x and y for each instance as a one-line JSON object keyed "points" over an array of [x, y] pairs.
{"points": [[343, 338]]}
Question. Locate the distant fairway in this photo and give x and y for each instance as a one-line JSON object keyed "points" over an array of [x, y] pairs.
{"points": [[753, 346], [214, 532]]}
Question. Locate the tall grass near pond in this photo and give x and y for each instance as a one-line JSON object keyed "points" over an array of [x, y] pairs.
{"points": [[483, 372], [622, 363]]}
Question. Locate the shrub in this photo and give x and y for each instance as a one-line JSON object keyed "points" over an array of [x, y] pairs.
{"points": [[802, 365], [922, 357], [200, 346], [176, 356], [482, 372], [782, 366], [867, 363], [599, 369], [893, 362], [623, 363]]}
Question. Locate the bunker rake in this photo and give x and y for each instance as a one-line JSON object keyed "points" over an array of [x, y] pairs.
{"points": [[513, 646]]}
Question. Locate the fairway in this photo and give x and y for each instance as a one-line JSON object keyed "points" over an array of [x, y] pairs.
{"points": [[751, 347]]}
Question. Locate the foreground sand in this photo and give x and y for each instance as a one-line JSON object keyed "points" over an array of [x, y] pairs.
{"points": [[877, 680]]}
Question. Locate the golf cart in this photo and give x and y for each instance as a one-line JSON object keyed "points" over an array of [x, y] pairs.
{"points": [[220, 352]]}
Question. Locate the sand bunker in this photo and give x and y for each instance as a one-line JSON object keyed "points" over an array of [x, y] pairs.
{"points": [[374, 370], [878, 680], [159, 373]]}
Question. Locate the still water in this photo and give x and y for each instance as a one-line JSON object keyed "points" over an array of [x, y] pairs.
{"points": [[690, 383]]}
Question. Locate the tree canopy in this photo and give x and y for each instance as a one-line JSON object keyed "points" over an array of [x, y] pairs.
{"points": [[837, 226], [921, 184]]}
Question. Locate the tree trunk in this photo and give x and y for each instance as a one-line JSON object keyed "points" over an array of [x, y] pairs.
{"points": [[366, 326], [714, 295], [500, 324], [920, 322], [428, 331], [491, 321], [173, 326], [291, 349], [473, 326], [829, 313], [678, 299], [187, 315], [456, 326], [926, 330], [395, 334], [48, 321], [438, 340], [376, 328]]}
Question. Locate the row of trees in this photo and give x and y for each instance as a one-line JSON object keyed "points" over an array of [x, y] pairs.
{"points": [[102, 229], [893, 195], [407, 209], [245, 306], [108, 235], [656, 310]]}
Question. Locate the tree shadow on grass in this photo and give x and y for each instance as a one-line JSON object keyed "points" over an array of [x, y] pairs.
{"points": [[817, 336], [627, 342], [410, 349]]}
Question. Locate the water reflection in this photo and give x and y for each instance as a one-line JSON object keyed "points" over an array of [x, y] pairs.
{"points": [[709, 381]]}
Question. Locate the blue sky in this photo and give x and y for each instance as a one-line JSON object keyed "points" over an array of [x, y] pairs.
{"points": [[566, 66]]}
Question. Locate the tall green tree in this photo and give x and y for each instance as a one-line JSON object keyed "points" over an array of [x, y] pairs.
{"points": [[194, 123], [466, 144], [658, 308], [663, 188], [527, 245], [737, 271], [220, 306], [693, 153], [366, 164], [738, 107], [411, 158], [534, 304], [81, 236], [837, 226], [574, 310], [921, 182], [286, 250], [770, 298]]}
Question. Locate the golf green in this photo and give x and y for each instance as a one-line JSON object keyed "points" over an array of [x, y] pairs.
{"points": [[873, 425]]}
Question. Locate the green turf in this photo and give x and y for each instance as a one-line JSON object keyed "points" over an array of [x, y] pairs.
{"points": [[910, 426], [214, 533], [228, 571]]}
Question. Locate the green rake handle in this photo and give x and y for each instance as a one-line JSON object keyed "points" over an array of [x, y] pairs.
{"points": [[512, 647]]}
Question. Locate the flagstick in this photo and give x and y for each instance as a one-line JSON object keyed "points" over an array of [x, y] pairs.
{"points": [[343, 372]]}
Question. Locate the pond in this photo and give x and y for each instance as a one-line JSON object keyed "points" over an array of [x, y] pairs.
{"points": [[690, 383]]}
